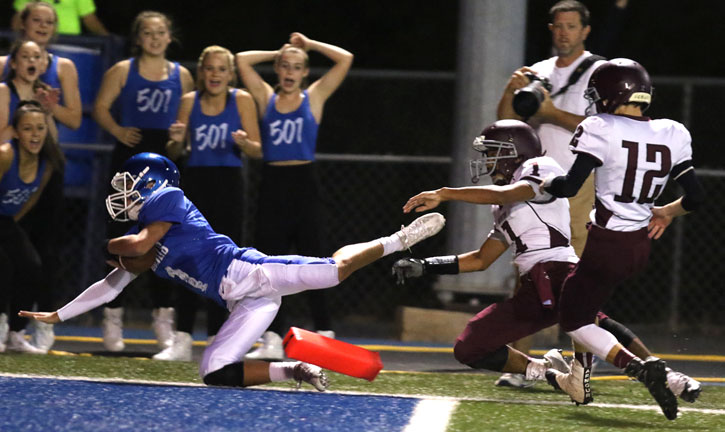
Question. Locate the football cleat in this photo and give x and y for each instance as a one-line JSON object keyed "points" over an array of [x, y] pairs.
{"points": [[683, 386], [43, 336], [514, 380], [17, 343], [420, 229], [310, 374], [575, 383], [555, 360], [652, 373], [180, 349], [112, 328], [270, 349], [163, 325]]}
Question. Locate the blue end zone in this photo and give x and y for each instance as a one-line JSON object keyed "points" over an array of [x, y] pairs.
{"points": [[62, 405]]}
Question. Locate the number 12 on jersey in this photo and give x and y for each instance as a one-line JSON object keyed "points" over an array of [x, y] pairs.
{"points": [[654, 153]]}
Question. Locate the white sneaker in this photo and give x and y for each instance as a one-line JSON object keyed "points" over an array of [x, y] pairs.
{"points": [[3, 331], [514, 380], [271, 348], [555, 360], [327, 333], [180, 349], [17, 342], [163, 326], [420, 229], [310, 374], [575, 383], [683, 386], [113, 329], [43, 336]]}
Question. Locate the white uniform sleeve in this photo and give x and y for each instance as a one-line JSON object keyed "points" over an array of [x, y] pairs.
{"points": [[534, 171], [591, 136], [685, 148], [97, 294], [498, 235]]}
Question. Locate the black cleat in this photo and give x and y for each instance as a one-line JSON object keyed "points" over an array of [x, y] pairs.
{"points": [[653, 374]]}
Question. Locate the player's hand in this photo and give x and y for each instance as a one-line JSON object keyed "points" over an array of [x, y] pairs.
{"points": [[298, 40], [659, 223], [129, 136], [545, 183], [46, 317], [422, 202], [406, 268], [177, 132]]}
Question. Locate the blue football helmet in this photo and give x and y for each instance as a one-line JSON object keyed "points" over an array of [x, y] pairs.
{"points": [[141, 176]]}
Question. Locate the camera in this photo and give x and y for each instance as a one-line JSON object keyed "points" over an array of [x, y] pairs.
{"points": [[527, 99]]}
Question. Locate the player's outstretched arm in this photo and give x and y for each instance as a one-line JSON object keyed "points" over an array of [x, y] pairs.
{"points": [[520, 191], [95, 295]]}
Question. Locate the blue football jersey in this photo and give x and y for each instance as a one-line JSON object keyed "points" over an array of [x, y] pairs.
{"points": [[190, 253]]}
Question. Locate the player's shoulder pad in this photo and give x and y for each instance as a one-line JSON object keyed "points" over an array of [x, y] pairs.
{"points": [[597, 123], [166, 194], [540, 167], [675, 126]]}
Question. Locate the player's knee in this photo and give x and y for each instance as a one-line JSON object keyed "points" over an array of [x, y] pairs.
{"points": [[474, 357], [231, 375]]}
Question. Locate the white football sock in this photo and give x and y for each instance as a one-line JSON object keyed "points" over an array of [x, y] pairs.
{"points": [[598, 340], [281, 371], [391, 244]]}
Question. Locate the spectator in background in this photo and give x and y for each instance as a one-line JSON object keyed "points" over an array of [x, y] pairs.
{"points": [[288, 212], [558, 115], [71, 13], [216, 124], [26, 165], [147, 89], [38, 23]]}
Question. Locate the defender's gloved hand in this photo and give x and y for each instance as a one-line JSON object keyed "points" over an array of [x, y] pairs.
{"points": [[408, 268]]}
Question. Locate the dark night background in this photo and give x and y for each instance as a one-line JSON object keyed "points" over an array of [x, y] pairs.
{"points": [[670, 37]]}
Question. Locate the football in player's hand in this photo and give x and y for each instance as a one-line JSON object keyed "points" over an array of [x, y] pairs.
{"points": [[138, 264]]}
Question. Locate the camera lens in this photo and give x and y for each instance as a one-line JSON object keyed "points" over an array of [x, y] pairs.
{"points": [[528, 99]]}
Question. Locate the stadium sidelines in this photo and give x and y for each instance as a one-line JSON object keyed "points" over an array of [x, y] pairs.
{"points": [[431, 411]]}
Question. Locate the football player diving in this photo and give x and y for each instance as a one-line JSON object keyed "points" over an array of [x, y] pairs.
{"points": [[173, 239]]}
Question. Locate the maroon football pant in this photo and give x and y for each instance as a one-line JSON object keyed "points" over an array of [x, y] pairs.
{"points": [[510, 320], [609, 258]]}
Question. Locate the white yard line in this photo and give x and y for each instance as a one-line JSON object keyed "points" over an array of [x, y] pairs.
{"points": [[431, 415], [430, 398]]}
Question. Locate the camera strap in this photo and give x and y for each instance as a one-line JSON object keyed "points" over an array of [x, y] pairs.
{"points": [[578, 72]]}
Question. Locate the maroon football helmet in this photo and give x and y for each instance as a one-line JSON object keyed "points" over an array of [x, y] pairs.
{"points": [[617, 82], [504, 145]]}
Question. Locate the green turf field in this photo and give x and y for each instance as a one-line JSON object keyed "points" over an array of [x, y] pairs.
{"points": [[482, 406]]}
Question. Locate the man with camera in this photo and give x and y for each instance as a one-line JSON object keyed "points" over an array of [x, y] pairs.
{"points": [[549, 95], [553, 104]]}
